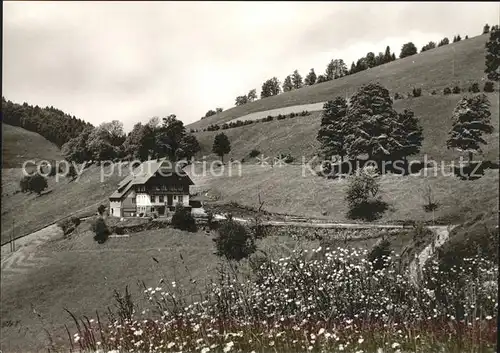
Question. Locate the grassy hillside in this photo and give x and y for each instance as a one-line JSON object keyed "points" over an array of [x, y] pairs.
{"points": [[25, 213], [297, 136], [294, 190], [19, 145], [453, 64]]}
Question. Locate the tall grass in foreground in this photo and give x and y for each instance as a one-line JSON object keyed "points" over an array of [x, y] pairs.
{"points": [[330, 301]]}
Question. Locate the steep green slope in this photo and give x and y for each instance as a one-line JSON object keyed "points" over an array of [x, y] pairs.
{"points": [[19, 145], [453, 64]]}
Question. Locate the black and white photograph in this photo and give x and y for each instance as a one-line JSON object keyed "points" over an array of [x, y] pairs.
{"points": [[249, 177]]}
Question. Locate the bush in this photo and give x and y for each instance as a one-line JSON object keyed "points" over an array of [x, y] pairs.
{"points": [[234, 241], [183, 219], [101, 230], [447, 91], [281, 117], [69, 225], [398, 96], [287, 158], [379, 256], [474, 88], [489, 86], [101, 209], [33, 183], [456, 90], [254, 153], [417, 92], [433, 92], [362, 197]]}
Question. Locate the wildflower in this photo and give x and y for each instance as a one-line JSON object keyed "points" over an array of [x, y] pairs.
{"points": [[205, 350], [395, 345], [320, 332], [361, 340], [228, 346], [138, 332], [171, 344]]}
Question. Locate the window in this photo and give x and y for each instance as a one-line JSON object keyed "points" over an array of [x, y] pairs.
{"points": [[133, 200], [175, 197], [161, 198], [153, 198]]}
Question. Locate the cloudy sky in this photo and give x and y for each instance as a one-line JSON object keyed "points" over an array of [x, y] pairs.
{"points": [[130, 61]]}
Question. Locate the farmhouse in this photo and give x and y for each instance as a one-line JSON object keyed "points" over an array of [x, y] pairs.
{"points": [[154, 186]]}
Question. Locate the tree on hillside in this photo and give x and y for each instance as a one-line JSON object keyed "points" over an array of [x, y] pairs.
{"points": [[270, 88], [321, 78], [140, 141], [209, 113], [99, 145], [408, 134], [379, 59], [370, 60], [353, 69], [76, 150], [393, 57], [372, 122], [115, 132], [486, 29], [493, 56], [33, 183], [408, 49], [287, 84], [444, 41], [334, 128], [218, 110], [188, 147], [471, 119], [221, 145], [335, 69], [168, 138], [240, 100], [310, 78], [71, 172], [252, 95], [297, 80], [361, 65], [428, 46], [457, 38], [387, 55]]}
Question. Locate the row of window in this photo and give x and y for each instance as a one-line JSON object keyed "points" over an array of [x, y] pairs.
{"points": [[142, 188], [161, 199]]}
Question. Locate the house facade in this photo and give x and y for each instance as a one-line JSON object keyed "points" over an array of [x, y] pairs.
{"points": [[154, 186]]}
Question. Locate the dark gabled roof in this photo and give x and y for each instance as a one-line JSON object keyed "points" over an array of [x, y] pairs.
{"points": [[142, 174]]}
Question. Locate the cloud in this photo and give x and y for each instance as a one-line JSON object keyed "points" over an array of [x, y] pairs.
{"points": [[130, 61]]}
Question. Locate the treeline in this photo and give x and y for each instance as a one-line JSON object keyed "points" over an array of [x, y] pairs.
{"points": [[337, 68], [238, 123], [53, 124], [152, 140]]}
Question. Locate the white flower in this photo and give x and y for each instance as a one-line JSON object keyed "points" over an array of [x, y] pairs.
{"points": [[361, 340], [395, 345], [320, 332], [138, 332], [228, 346], [205, 350], [488, 317], [171, 344]]}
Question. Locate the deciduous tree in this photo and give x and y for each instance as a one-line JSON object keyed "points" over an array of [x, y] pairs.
{"points": [[221, 145]]}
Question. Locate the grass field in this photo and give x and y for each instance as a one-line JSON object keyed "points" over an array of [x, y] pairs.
{"points": [[25, 213], [287, 190], [80, 275], [19, 145], [454, 64]]}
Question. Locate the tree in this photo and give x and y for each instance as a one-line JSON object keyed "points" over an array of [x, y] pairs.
{"points": [[387, 55], [353, 69], [379, 59], [221, 145], [168, 137], [218, 110], [335, 69], [240, 100], [270, 88], [362, 195], [34, 183], [296, 80], [252, 95], [444, 41], [428, 46], [408, 49], [140, 142], [334, 128], [101, 230], [76, 150], [210, 113], [183, 219], [71, 172], [457, 39], [115, 132], [99, 144], [361, 65], [321, 79], [372, 121], [493, 56], [393, 57], [370, 60], [471, 119], [310, 78], [486, 29], [408, 135], [234, 241], [287, 84], [188, 147]]}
